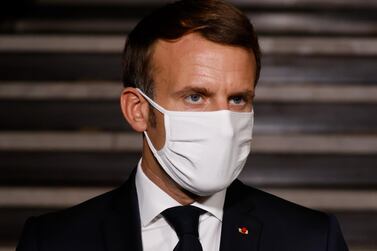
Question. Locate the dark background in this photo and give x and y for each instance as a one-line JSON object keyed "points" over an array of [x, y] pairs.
{"points": [[63, 139]]}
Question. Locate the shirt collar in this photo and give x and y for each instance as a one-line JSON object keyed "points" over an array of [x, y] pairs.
{"points": [[152, 200]]}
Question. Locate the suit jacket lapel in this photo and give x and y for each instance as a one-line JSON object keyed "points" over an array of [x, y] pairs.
{"points": [[238, 209], [122, 229]]}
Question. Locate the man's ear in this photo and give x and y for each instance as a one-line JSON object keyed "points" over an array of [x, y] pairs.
{"points": [[134, 108]]}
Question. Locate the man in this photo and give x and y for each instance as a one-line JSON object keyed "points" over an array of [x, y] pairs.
{"points": [[190, 69]]}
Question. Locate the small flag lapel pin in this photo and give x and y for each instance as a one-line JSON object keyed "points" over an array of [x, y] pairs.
{"points": [[243, 230]]}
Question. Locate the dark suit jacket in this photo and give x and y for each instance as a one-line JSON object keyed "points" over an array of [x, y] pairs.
{"points": [[111, 222]]}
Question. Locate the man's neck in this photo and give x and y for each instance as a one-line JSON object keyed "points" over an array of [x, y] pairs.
{"points": [[158, 176]]}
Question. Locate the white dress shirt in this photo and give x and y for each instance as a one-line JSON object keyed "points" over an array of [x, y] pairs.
{"points": [[157, 234]]}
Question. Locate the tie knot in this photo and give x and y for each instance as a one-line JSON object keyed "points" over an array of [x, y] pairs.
{"points": [[184, 219]]}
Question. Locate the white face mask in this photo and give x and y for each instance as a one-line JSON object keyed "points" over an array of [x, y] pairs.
{"points": [[204, 152]]}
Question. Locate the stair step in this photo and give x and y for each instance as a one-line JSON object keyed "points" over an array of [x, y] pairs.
{"points": [[62, 43], [321, 170], [266, 92], [107, 67], [75, 90], [121, 20], [50, 168], [319, 46], [312, 23], [288, 170], [60, 197], [359, 228], [71, 141], [114, 44], [318, 69], [111, 141], [315, 93], [271, 117]]}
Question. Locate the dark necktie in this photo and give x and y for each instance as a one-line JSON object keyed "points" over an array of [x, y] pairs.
{"points": [[185, 221]]}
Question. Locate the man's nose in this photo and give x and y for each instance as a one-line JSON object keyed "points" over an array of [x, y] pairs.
{"points": [[220, 104]]}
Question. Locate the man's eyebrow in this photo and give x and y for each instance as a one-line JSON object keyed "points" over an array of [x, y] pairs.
{"points": [[194, 89], [247, 93], [206, 92]]}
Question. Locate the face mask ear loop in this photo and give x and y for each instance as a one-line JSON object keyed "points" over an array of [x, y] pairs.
{"points": [[149, 141], [150, 101], [160, 109]]}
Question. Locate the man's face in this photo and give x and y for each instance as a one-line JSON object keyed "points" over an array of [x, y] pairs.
{"points": [[194, 74]]}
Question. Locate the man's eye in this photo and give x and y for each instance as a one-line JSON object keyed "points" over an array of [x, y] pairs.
{"points": [[193, 98], [238, 100]]}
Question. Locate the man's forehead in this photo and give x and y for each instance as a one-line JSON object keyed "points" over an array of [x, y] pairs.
{"points": [[185, 44], [195, 61], [196, 47]]}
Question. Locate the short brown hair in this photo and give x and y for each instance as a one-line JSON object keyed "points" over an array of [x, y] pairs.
{"points": [[215, 20]]}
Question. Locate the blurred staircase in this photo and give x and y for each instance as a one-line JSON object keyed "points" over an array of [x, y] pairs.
{"points": [[63, 138]]}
